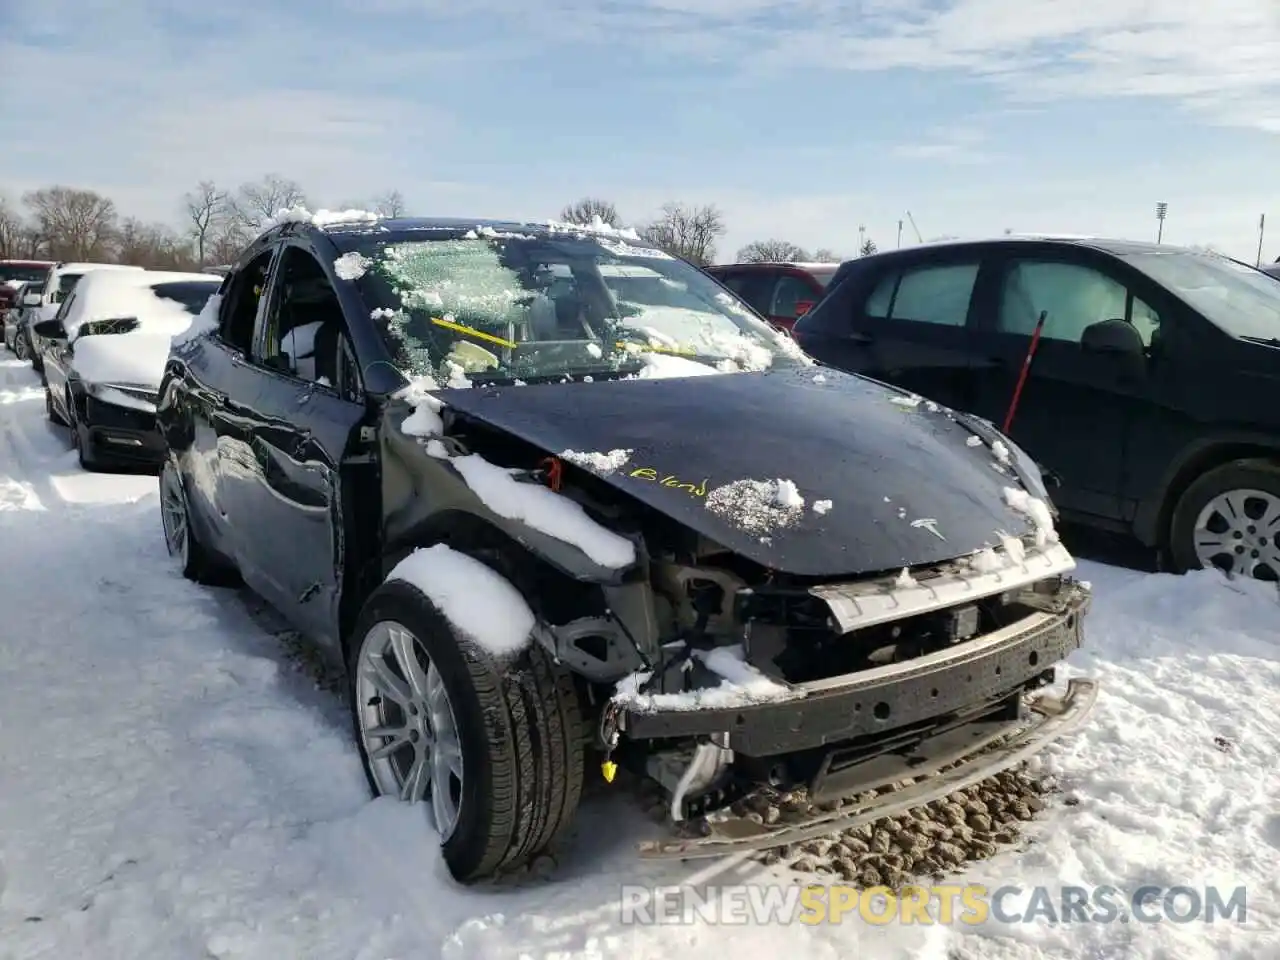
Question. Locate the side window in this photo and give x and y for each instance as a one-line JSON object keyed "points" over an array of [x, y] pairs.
{"points": [[755, 287], [240, 311], [64, 308], [304, 330], [1145, 320], [1073, 297], [932, 294], [790, 291]]}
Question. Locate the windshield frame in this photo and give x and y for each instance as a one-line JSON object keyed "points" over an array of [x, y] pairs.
{"points": [[551, 360], [1255, 314]]}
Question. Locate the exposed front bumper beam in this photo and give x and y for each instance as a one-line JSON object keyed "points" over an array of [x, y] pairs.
{"points": [[1052, 715], [881, 700]]}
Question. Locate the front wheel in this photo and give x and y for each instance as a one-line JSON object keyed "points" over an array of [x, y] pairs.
{"points": [[494, 747], [20, 346], [1229, 518]]}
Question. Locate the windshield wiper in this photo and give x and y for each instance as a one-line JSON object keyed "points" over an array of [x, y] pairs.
{"points": [[1268, 341]]}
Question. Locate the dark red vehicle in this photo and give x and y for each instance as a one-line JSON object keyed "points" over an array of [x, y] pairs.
{"points": [[780, 292], [14, 273]]}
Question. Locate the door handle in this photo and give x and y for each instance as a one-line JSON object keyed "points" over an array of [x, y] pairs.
{"points": [[860, 338]]}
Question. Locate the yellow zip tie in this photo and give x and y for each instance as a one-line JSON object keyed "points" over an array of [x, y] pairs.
{"points": [[650, 348], [450, 325]]}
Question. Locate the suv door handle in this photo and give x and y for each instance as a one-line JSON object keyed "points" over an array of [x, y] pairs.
{"points": [[860, 338]]}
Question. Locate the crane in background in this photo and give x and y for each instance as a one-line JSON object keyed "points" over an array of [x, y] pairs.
{"points": [[919, 239]]}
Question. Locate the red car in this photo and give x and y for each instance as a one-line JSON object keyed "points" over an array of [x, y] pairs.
{"points": [[14, 273], [780, 292]]}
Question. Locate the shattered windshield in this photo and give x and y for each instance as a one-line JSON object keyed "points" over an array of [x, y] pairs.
{"points": [[501, 306]]}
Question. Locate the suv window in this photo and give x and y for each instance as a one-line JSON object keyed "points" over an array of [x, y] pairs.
{"points": [[753, 286], [790, 291], [240, 310], [303, 329], [1073, 298], [931, 294]]}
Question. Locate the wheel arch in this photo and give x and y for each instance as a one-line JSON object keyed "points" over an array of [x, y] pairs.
{"points": [[551, 593], [1155, 514]]}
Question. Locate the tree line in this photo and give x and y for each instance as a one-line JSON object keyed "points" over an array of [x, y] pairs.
{"points": [[74, 224], [692, 231]]}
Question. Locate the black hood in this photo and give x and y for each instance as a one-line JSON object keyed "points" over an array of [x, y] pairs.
{"points": [[887, 467]]}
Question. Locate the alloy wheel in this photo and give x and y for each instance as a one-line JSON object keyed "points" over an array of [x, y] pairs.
{"points": [[407, 724], [1238, 531], [173, 513]]}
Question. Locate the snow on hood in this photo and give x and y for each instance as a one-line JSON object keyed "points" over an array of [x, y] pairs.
{"points": [[807, 478], [126, 358]]}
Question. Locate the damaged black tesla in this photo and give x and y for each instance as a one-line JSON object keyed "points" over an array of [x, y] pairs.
{"points": [[560, 503]]}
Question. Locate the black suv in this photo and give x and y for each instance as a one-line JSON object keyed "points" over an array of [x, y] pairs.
{"points": [[1150, 392], [545, 491]]}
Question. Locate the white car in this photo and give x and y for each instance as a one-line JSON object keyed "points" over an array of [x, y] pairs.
{"points": [[105, 355], [58, 284]]}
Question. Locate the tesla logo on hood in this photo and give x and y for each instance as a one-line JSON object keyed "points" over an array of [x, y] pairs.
{"points": [[930, 524]]}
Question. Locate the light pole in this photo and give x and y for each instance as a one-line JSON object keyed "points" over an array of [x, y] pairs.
{"points": [[899, 234], [1162, 208], [862, 241], [1262, 226]]}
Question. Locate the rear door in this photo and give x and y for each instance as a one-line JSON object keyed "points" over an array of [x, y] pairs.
{"points": [[904, 320]]}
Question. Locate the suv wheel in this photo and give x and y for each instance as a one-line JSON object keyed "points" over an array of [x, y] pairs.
{"points": [[179, 538], [495, 748], [1229, 518], [20, 346]]}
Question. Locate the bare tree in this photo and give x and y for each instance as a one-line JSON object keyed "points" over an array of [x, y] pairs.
{"points": [[588, 208], [12, 228], [204, 205], [826, 256], [73, 224], [868, 247], [255, 202], [772, 251], [390, 204], [686, 231], [152, 245]]}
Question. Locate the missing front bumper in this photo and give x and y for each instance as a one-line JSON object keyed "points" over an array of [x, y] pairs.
{"points": [[877, 702], [1052, 717]]}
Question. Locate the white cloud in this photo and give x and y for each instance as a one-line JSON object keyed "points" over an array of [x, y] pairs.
{"points": [[143, 99]]}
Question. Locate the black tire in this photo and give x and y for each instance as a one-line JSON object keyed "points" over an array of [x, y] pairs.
{"points": [[197, 563], [80, 441], [1261, 475], [520, 728], [51, 411]]}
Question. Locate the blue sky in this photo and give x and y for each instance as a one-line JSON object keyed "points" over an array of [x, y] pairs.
{"points": [[801, 121]]}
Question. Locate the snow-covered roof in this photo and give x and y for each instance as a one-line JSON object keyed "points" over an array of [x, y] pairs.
{"points": [[88, 266], [113, 294]]}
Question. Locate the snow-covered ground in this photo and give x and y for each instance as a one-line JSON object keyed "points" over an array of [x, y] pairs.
{"points": [[170, 786]]}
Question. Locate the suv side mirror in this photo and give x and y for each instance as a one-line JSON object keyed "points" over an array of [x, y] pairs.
{"points": [[1119, 340], [49, 330]]}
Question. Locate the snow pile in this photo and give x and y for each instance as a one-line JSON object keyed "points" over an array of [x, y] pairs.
{"points": [[909, 401], [351, 266], [1035, 510], [321, 218], [821, 506], [757, 506], [425, 420], [597, 226], [598, 463], [136, 359], [662, 366], [1001, 453], [740, 684], [130, 294], [544, 510], [491, 234], [472, 596]]}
